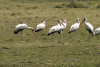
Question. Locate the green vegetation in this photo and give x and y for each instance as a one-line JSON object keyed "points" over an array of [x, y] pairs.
{"points": [[45, 52]]}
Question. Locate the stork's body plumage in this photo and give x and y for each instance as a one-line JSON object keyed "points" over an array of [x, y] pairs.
{"points": [[89, 27], [19, 28], [54, 29], [40, 26], [96, 32], [75, 26]]}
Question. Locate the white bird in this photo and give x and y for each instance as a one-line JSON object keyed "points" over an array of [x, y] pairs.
{"points": [[40, 27], [63, 27], [56, 28], [75, 26], [88, 26], [96, 32], [20, 27]]}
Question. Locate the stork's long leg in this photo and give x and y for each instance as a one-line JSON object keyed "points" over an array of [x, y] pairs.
{"points": [[61, 38], [61, 34], [42, 32], [89, 36], [75, 34], [36, 36], [18, 37], [97, 37], [55, 40], [52, 35], [21, 35]]}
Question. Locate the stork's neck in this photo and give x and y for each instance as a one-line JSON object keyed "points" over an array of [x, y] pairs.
{"points": [[59, 23], [78, 22], [30, 28], [85, 22], [66, 22]]}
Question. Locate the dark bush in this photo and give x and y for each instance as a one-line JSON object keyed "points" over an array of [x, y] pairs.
{"points": [[98, 6], [58, 6], [72, 5], [76, 5]]}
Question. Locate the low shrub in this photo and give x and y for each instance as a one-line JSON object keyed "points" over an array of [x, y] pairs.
{"points": [[58, 6], [29, 8], [98, 6], [76, 5]]}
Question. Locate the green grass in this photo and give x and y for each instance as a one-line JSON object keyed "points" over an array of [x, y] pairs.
{"points": [[76, 51]]}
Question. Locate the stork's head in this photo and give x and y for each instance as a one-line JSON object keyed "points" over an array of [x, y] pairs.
{"points": [[78, 19], [59, 21], [44, 22], [65, 20], [85, 19], [20, 21]]}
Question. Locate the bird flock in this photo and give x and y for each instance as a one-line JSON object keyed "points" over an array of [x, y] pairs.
{"points": [[59, 28]]}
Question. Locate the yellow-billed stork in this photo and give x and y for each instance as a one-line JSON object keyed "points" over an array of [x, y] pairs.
{"points": [[56, 29], [40, 27], [20, 27], [75, 26], [88, 26], [63, 26]]}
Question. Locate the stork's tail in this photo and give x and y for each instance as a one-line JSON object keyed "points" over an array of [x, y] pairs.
{"points": [[38, 30], [50, 33]]}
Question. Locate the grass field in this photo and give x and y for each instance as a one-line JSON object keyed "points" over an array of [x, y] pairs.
{"points": [[76, 51]]}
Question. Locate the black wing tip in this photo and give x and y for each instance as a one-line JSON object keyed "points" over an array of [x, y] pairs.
{"points": [[59, 32], [38, 30], [69, 32], [48, 34]]}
